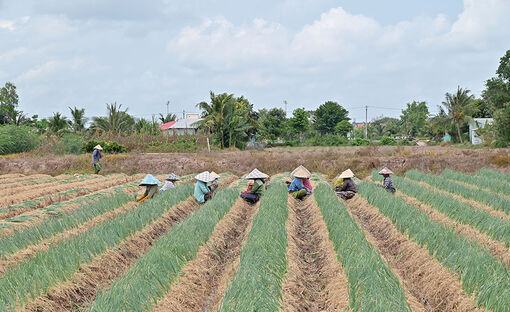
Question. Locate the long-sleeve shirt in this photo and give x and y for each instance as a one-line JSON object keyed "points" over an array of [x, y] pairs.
{"points": [[307, 184], [96, 156], [297, 185], [349, 185], [168, 185], [200, 190], [388, 184], [257, 188]]}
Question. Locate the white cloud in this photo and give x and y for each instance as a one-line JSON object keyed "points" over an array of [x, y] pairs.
{"points": [[50, 68]]}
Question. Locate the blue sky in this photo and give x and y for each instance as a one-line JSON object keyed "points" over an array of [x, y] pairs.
{"points": [[383, 54]]}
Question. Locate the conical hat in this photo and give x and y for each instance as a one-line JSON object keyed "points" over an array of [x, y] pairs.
{"points": [[256, 174], [204, 177], [172, 177], [149, 180], [301, 172], [98, 147], [385, 170], [346, 174], [215, 175]]}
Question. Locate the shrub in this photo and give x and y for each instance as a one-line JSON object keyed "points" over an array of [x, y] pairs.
{"points": [[360, 142], [73, 143], [181, 145], [404, 143], [327, 140], [387, 141], [500, 144], [108, 147], [16, 139]]}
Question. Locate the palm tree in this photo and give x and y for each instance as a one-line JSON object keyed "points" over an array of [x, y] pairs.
{"points": [[57, 123], [118, 121], [167, 118], [79, 119], [215, 115], [460, 107]]}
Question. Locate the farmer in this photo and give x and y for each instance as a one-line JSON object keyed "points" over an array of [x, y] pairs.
{"points": [[257, 186], [338, 184], [298, 188], [388, 182], [202, 193], [171, 179], [96, 158], [349, 188], [151, 187], [216, 182]]}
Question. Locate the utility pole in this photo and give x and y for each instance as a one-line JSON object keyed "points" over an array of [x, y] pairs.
{"points": [[366, 121], [183, 114], [167, 103], [285, 103]]}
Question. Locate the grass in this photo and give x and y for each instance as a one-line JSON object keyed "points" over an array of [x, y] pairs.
{"points": [[477, 181]]}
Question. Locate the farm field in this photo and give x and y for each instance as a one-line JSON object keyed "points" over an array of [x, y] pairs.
{"points": [[82, 243]]}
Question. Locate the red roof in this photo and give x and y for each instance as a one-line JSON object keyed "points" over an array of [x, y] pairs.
{"points": [[167, 125]]}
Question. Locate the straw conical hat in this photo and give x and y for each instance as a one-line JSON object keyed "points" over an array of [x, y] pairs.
{"points": [[150, 180], [256, 174], [385, 170], [346, 174], [172, 177], [215, 175], [204, 177], [301, 172], [98, 147]]}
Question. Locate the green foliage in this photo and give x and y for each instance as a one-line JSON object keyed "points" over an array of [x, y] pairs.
{"points": [[153, 274], [481, 274], [388, 141], [494, 175], [360, 142], [77, 124], [117, 120], [372, 285], [57, 124], [73, 143], [327, 140], [17, 139], [482, 109], [327, 116], [111, 147], [404, 142], [272, 123], [414, 117], [167, 118], [460, 107], [343, 128], [263, 257], [144, 126], [60, 261], [8, 105], [478, 181], [299, 123], [491, 199], [385, 126]]}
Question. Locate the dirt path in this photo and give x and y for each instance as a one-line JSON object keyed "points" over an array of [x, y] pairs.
{"points": [[58, 193], [315, 280], [497, 248], [20, 188], [423, 276], [200, 282], [15, 178], [104, 269]]}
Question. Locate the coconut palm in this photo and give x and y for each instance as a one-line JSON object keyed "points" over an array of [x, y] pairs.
{"points": [[77, 124], [167, 118], [57, 123], [117, 121], [216, 114], [460, 107]]}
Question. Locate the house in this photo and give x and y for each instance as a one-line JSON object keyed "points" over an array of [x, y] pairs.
{"points": [[167, 125], [181, 126], [474, 125]]}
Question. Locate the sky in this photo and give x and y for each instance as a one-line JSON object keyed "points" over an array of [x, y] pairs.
{"points": [[141, 54]]}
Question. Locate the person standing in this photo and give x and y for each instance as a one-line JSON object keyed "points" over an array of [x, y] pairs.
{"points": [[257, 186], [96, 159], [349, 188], [388, 182]]}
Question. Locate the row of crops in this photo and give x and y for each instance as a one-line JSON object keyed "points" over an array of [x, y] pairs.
{"points": [[55, 250]]}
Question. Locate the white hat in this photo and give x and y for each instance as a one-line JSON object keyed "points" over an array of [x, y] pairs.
{"points": [[301, 172], [204, 177], [385, 170], [172, 177], [98, 147], [346, 174], [256, 174], [215, 175]]}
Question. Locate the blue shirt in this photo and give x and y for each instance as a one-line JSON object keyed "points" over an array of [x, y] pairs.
{"points": [[297, 185], [200, 190], [96, 156]]}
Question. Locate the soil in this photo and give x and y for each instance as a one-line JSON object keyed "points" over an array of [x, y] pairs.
{"points": [[328, 160], [432, 284], [315, 280], [199, 284]]}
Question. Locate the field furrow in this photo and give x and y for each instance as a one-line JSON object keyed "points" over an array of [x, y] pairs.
{"points": [[83, 287], [263, 256], [61, 193], [494, 175], [477, 182], [315, 280], [4, 187], [482, 275], [372, 285], [434, 286], [15, 178], [201, 277], [27, 186], [152, 275]]}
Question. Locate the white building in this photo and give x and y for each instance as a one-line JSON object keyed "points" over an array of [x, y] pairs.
{"points": [[474, 125], [185, 126]]}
